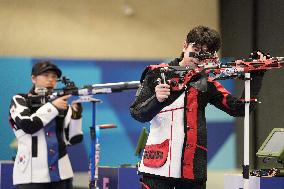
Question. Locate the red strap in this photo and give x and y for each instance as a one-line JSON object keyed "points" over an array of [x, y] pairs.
{"points": [[191, 134], [145, 186], [202, 147], [225, 93]]}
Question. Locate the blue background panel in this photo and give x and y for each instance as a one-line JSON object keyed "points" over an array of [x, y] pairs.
{"points": [[117, 145]]}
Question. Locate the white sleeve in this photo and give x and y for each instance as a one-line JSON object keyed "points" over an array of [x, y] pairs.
{"points": [[27, 121]]}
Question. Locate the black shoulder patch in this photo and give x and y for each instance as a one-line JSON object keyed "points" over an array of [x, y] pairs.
{"points": [[20, 101], [26, 112]]}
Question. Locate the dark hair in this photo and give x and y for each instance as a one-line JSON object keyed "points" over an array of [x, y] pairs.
{"points": [[203, 35]]}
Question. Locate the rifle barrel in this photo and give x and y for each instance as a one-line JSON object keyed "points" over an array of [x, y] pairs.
{"points": [[119, 86]]}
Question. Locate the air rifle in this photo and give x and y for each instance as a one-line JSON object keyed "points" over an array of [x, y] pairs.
{"points": [[178, 77], [237, 69], [45, 95]]}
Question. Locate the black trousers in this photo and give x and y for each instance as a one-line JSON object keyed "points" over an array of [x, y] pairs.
{"points": [[63, 184], [149, 182]]}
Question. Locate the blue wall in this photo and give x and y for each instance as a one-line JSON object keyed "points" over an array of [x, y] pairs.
{"points": [[117, 145]]}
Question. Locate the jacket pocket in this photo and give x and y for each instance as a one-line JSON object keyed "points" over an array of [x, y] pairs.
{"points": [[155, 155]]}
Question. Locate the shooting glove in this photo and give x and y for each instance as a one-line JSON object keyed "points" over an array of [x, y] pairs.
{"points": [[77, 114]]}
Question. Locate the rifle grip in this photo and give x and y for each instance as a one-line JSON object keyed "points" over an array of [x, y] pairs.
{"points": [[163, 78]]}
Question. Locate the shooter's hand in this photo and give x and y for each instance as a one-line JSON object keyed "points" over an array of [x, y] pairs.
{"points": [[61, 102], [258, 55], [261, 57], [162, 92], [77, 110]]}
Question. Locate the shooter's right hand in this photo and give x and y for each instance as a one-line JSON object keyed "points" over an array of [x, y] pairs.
{"points": [[61, 102], [162, 92]]}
